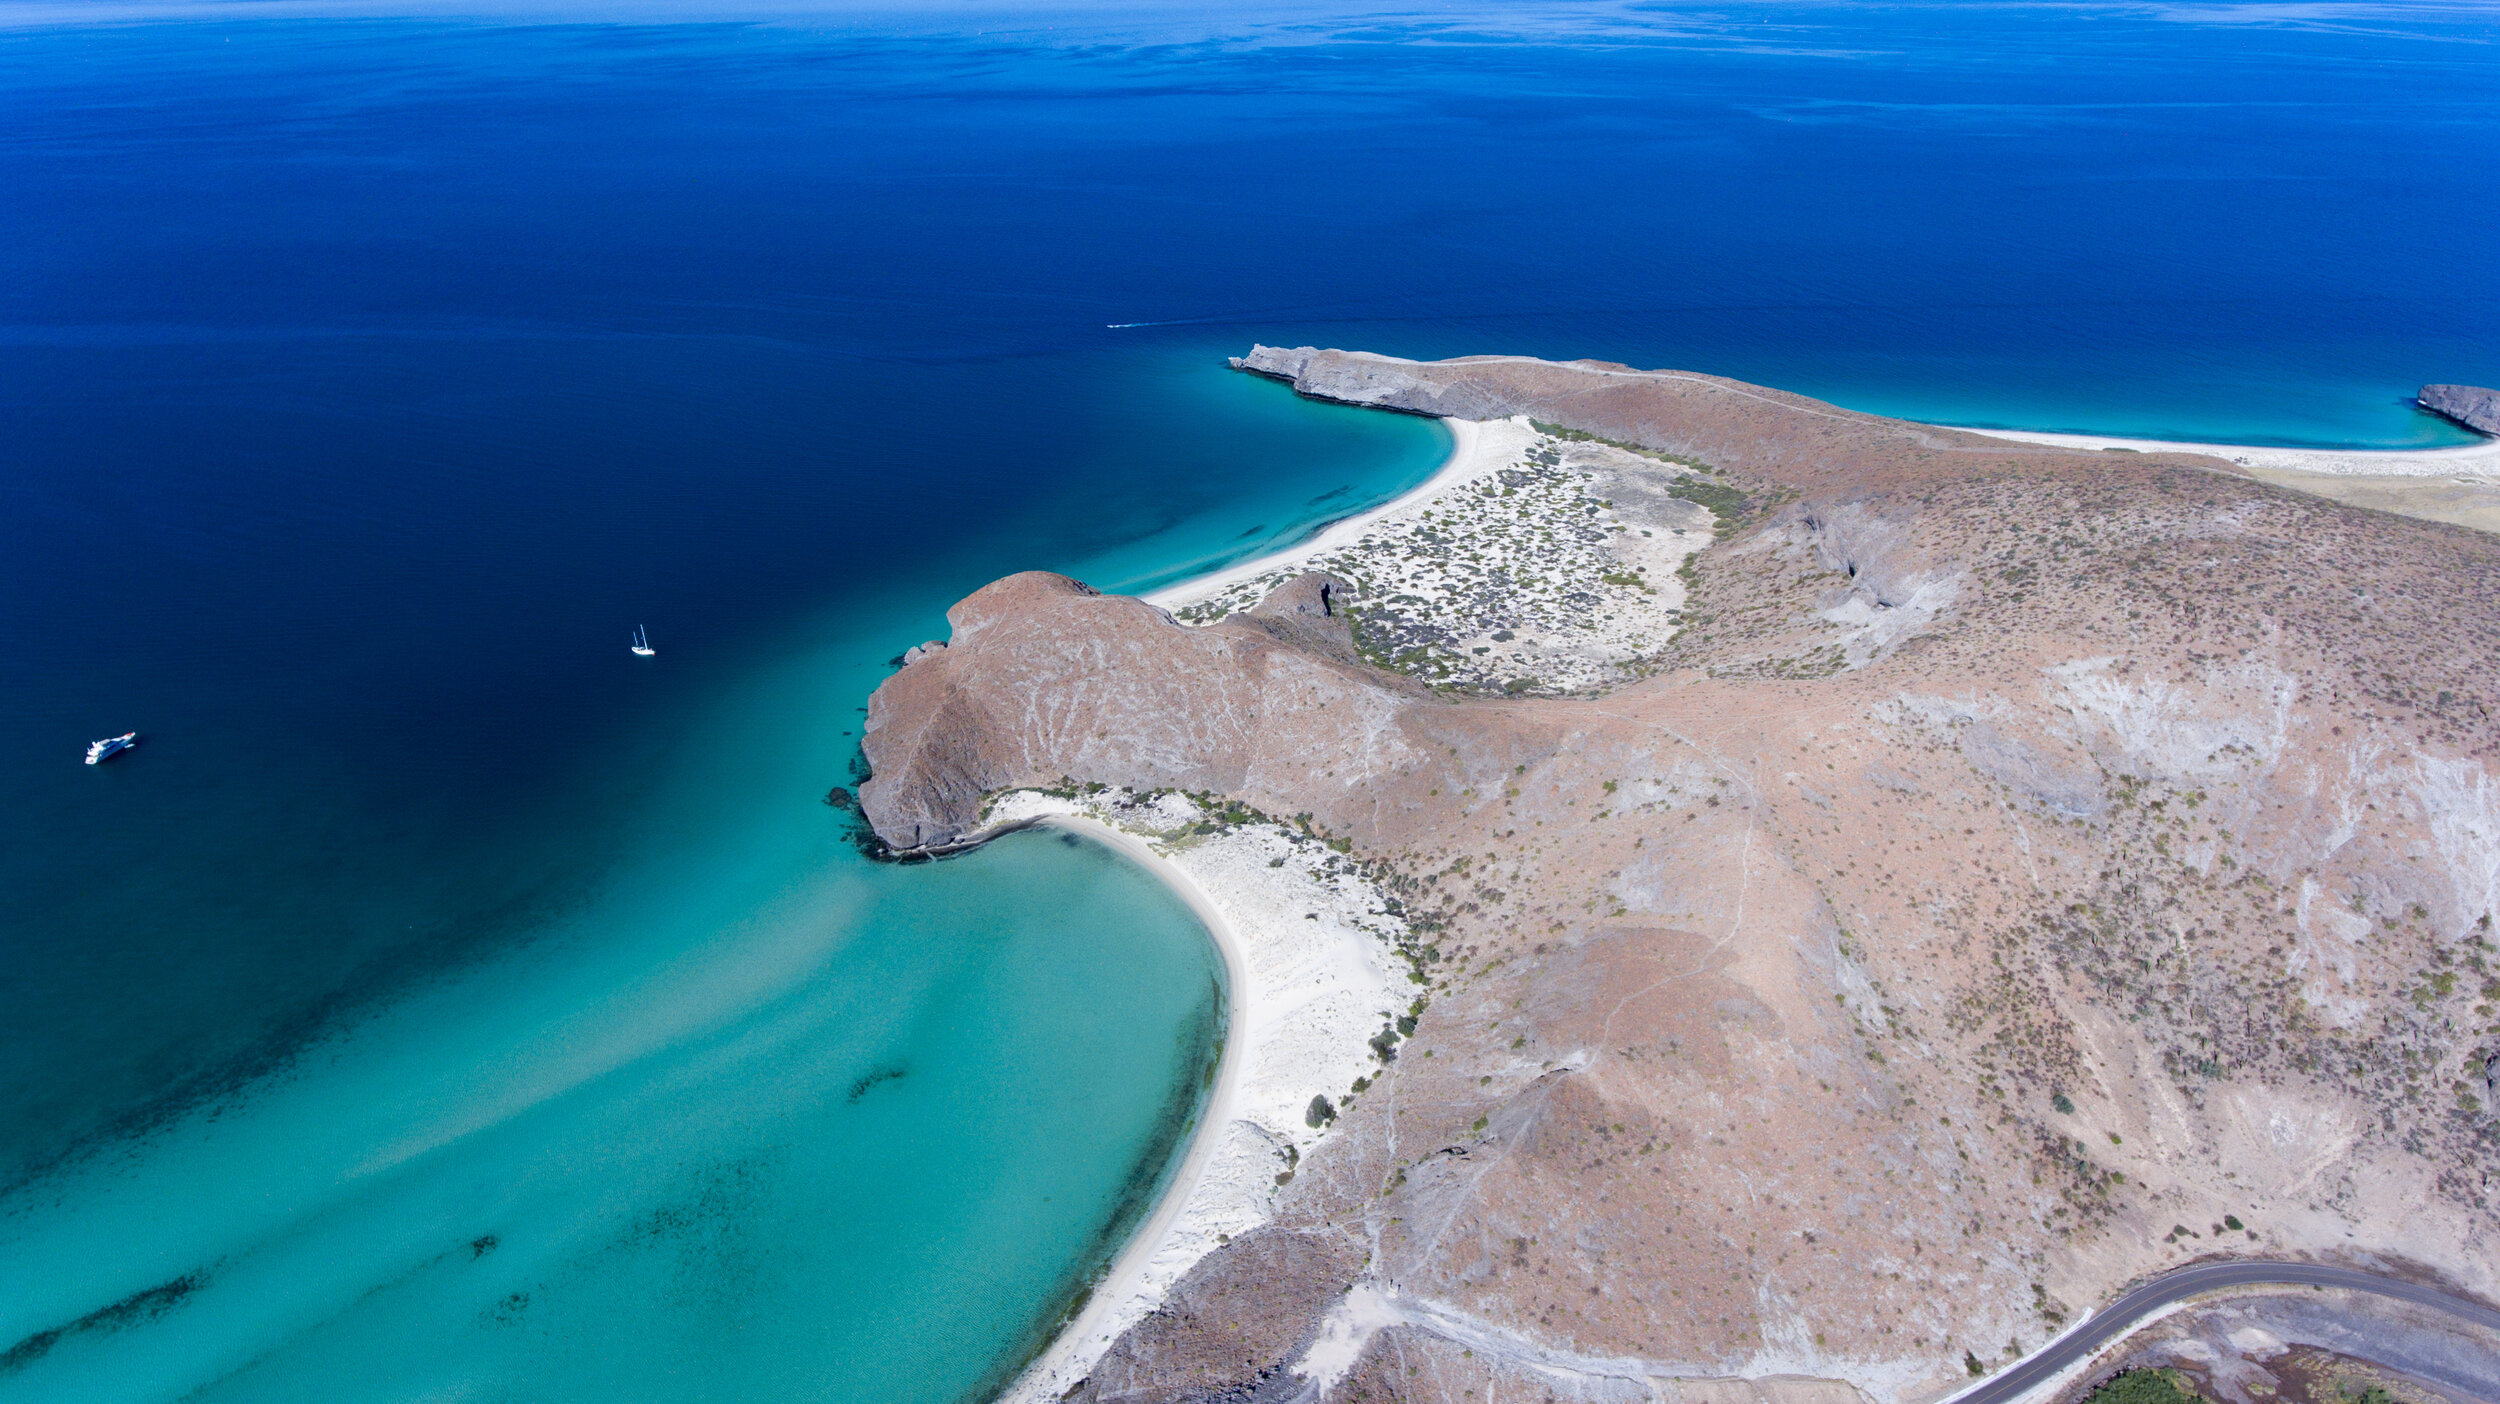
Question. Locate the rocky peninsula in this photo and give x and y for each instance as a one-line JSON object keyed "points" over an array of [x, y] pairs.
{"points": [[2474, 406], [1996, 872]]}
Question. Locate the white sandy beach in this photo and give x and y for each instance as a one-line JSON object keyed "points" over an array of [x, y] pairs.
{"points": [[1479, 447], [1310, 951], [2480, 460]]}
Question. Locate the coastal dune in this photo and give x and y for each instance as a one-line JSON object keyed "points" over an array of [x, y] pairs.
{"points": [[2025, 869]]}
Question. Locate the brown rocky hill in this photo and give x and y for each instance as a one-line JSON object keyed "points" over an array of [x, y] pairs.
{"points": [[2027, 870]]}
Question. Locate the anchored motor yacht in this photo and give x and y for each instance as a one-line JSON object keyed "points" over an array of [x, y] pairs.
{"points": [[111, 746]]}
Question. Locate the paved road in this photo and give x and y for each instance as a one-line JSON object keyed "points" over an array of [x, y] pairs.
{"points": [[2123, 1315]]}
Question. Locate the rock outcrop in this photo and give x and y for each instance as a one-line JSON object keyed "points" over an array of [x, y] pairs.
{"points": [[1244, 1315], [2474, 406], [1047, 679], [1309, 612], [2028, 869]]}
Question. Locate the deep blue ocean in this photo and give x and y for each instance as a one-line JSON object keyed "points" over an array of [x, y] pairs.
{"points": [[441, 1001]]}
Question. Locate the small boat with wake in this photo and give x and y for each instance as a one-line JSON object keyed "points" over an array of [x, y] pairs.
{"points": [[642, 644], [111, 746]]}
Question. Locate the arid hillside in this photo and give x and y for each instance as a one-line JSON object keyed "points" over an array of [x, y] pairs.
{"points": [[2026, 869]]}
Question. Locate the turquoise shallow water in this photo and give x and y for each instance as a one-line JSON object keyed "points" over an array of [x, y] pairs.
{"points": [[642, 1083], [828, 1147], [363, 383]]}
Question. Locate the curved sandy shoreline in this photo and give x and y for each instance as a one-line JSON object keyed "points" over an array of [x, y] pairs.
{"points": [[1309, 977], [1478, 447], [1163, 1248], [2480, 460], [1083, 1340]]}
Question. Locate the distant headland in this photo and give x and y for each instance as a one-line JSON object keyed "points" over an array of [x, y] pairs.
{"points": [[2474, 406]]}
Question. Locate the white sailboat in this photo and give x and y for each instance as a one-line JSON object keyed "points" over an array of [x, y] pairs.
{"points": [[642, 644]]}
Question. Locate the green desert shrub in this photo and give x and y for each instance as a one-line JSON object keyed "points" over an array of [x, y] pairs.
{"points": [[1726, 505], [2144, 1387]]}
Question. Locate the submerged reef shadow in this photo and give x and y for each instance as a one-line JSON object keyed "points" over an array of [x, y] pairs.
{"points": [[136, 1309]]}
